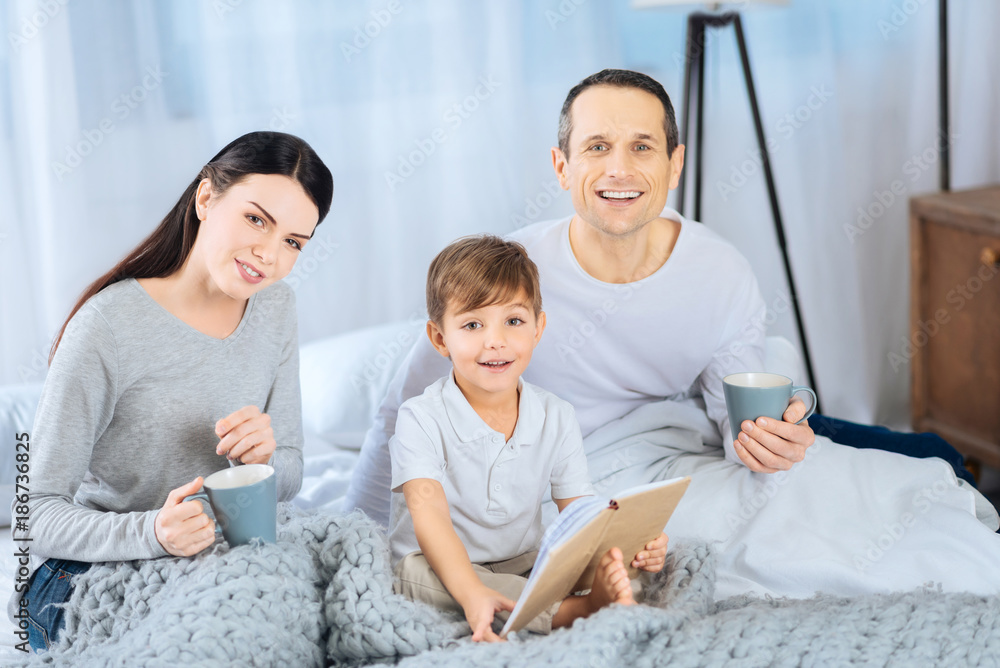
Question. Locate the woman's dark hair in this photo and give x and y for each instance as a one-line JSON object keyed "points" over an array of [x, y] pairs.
{"points": [[167, 248]]}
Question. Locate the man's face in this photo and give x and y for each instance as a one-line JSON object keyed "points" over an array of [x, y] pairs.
{"points": [[618, 171]]}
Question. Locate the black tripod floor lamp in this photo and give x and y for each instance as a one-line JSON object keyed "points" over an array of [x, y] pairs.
{"points": [[694, 94]]}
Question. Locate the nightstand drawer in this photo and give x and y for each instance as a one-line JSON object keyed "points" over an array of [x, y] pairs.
{"points": [[955, 319]]}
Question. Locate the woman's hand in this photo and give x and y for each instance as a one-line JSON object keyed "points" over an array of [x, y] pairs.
{"points": [[246, 436], [652, 558], [182, 527]]}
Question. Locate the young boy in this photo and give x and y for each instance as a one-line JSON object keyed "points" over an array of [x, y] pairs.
{"points": [[474, 454]]}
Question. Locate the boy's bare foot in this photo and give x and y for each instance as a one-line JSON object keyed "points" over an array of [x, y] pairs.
{"points": [[611, 582], [611, 585]]}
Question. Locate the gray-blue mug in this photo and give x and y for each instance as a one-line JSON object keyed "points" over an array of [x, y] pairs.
{"points": [[245, 502], [754, 394]]}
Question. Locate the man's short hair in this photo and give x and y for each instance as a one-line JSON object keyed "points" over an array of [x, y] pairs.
{"points": [[478, 271], [619, 79]]}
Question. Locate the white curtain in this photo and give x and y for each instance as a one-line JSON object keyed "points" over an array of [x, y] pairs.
{"points": [[436, 119]]}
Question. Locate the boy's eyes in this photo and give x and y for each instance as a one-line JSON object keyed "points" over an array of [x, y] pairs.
{"points": [[476, 325]]}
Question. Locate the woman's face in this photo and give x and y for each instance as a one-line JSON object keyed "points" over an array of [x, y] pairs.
{"points": [[251, 235]]}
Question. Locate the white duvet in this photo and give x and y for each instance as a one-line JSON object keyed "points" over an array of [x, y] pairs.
{"points": [[843, 521]]}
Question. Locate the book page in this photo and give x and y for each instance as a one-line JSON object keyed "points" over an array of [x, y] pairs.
{"points": [[553, 579]]}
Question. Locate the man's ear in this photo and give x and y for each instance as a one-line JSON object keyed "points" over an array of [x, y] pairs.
{"points": [[436, 336], [202, 198], [676, 166], [559, 165]]}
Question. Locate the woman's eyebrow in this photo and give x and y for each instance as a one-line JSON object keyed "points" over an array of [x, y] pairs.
{"points": [[275, 223]]}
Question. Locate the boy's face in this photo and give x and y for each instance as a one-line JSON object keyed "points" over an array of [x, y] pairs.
{"points": [[489, 347]]}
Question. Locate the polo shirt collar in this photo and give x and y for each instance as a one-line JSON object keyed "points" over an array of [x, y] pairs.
{"points": [[469, 427]]}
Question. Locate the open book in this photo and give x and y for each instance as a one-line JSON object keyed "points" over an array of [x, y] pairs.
{"points": [[574, 544]]}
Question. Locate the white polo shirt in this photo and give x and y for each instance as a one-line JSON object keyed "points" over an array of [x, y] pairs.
{"points": [[494, 488]]}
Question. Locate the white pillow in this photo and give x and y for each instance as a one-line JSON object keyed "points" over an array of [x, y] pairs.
{"points": [[344, 378], [17, 415], [781, 357]]}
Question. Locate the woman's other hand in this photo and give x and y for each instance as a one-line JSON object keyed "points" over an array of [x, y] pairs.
{"points": [[246, 436], [182, 527]]}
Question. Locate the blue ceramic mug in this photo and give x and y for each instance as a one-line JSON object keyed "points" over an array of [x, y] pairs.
{"points": [[754, 394], [245, 502]]}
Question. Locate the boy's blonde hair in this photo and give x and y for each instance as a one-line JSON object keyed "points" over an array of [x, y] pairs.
{"points": [[478, 271]]}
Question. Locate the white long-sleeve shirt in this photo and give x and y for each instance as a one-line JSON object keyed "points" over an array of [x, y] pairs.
{"points": [[609, 348]]}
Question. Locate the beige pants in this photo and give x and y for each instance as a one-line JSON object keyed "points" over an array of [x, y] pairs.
{"points": [[417, 581]]}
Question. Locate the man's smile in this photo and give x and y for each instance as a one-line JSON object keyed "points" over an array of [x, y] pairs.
{"points": [[619, 195]]}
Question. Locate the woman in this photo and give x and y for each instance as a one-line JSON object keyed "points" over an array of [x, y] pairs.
{"points": [[181, 357]]}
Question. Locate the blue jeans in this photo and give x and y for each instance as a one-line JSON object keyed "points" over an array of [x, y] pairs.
{"points": [[50, 586], [880, 438]]}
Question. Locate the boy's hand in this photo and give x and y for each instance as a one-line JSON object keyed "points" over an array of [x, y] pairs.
{"points": [[652, 558], [480, 609]]}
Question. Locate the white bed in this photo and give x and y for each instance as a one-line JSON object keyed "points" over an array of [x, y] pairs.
{"points": [[8, 566], [343, 379]]}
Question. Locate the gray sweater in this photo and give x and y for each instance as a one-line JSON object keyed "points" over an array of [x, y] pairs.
{"points": [[128, 413]]}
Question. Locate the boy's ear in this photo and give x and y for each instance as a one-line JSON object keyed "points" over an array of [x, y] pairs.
{"points": [[539, 326], [436, 336]]}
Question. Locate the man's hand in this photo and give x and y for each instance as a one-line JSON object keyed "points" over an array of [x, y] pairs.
{"points": [[480, 607], [246, 436], [652, 557], [768, 446]]}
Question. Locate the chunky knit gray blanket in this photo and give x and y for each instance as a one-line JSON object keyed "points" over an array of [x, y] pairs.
{"points": [[323, 596]]}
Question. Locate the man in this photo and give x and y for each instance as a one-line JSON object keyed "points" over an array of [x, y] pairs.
{"points": [[648, 312]]}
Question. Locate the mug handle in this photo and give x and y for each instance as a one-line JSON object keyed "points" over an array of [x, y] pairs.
{"points": [[203, 495], [802, 388]]}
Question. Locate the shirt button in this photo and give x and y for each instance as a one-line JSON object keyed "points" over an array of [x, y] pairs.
{"points": [[496, 439], [496, 487]]}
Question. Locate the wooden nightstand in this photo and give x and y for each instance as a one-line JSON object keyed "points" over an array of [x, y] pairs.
{"points": [[954, 341]]}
